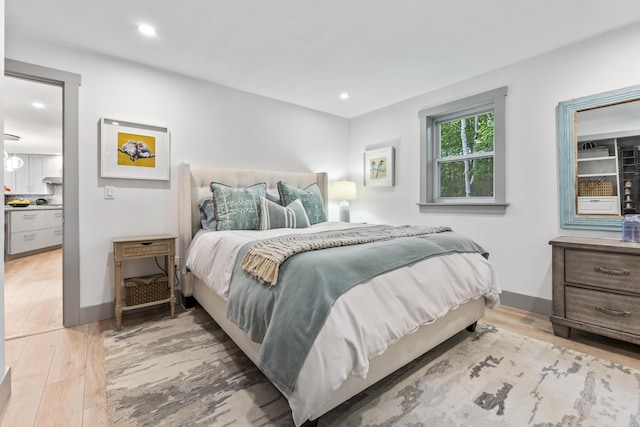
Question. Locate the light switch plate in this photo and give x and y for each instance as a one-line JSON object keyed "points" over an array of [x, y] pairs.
{"points": [[109, 192]]}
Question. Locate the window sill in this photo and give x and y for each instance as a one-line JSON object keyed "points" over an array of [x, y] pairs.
{"points": [[473, 208]]}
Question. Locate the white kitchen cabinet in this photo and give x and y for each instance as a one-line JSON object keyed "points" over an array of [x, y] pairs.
{"points": [[53, 218], [33, 229], [53, 166], [36, 173], [21, 177], [28, 179]]}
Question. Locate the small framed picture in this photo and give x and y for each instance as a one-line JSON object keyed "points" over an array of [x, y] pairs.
{"points": [[134, 151], [379, 167]]}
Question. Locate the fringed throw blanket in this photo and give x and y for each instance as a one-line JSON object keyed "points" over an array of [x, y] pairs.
{"points": [[264, 259]]}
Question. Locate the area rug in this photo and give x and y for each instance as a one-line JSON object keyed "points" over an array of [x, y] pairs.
{"points": [[187, 372]]}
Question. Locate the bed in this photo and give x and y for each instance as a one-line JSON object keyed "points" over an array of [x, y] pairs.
{"points": [[309, 399]]}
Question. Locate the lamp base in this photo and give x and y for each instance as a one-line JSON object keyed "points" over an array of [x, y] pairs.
{"points": [[344, 211]]}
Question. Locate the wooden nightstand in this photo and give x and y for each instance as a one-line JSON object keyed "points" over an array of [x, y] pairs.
{"points": [[126, 248]]}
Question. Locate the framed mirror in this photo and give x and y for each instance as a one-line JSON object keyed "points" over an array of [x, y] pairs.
{"points": [[599, 159]]}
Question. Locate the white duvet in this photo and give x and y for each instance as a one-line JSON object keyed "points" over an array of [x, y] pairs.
{"points": [[365, 320]]}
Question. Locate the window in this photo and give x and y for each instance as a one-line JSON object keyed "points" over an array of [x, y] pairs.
{"points": [[462, 155]]}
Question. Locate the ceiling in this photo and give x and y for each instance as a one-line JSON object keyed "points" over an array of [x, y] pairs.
{"points": [[307, 52], [39, 129]]}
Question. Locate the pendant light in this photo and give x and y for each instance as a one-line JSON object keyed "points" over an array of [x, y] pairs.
{"points": [[13, 162]]}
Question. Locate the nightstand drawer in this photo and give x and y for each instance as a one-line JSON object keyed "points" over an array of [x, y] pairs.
{"points": [[138, 249], [613, 311], [603, 269]]}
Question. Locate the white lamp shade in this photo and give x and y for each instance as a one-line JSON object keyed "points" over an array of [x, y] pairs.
{"points": [[344, 190], [15, 162]]}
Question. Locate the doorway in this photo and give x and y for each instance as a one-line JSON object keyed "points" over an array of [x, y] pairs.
{"points": [[33, 206], [69, 84]]}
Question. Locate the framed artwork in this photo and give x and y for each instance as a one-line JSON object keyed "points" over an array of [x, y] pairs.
{"points": [[379, 167], [134, 151]]}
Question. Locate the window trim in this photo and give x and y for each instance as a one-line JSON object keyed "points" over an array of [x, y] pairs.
{"points": [[429, 118]]}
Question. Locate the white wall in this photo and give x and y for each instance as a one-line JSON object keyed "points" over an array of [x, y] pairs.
{"points": [[212, 124], [209, 124], [518, 240]]}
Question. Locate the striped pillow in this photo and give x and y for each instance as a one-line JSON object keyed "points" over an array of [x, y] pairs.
{"points": [[272, 215]]}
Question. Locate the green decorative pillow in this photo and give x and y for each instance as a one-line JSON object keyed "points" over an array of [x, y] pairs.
{"points": [[310, 197], [237, 208], [272, 215]]}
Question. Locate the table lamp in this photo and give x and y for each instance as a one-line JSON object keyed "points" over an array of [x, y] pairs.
{"points": [[344, 191]]}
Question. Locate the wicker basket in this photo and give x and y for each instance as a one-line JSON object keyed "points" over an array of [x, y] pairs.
{"points": [[595, 188], [143, 289]]}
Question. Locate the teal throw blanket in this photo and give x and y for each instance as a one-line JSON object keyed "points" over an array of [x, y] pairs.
{"points": [[287, 318]]}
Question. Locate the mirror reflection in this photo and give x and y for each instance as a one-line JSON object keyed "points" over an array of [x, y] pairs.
{"points": [[608, 160]]}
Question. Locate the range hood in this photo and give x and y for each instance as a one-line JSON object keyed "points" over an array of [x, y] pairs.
{"points": [[52, 180]]}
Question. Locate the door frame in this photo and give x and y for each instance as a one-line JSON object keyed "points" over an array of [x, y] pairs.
{"points": [[70, 84]]}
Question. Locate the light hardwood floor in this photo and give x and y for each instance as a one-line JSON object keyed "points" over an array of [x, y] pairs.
{"points": [[33, 294], [59, 376]]}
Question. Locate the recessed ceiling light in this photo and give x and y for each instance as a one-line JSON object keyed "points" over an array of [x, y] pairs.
{"points": [[147, 30], [115, 123], [38, 104], [345, 95]]}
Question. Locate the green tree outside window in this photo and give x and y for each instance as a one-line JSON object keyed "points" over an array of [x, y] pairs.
{"points": [[465, 161]]}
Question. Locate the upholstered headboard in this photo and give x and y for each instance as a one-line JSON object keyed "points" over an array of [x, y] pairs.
{"points": [[194, 183]]}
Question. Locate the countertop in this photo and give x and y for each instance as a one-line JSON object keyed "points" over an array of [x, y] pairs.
{"points": [[32, 207]]}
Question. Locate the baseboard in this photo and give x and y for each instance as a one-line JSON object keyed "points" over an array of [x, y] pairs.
{"points": [[8, 257], [525, 302], [96, 313], [5, 387], [104, 311]]}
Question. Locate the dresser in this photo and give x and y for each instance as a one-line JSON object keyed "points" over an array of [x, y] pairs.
{"points": [[596, 287]]}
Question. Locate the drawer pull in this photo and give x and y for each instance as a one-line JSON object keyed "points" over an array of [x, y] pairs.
{"points": [[612, 312], [146, 243], [612, 272]]}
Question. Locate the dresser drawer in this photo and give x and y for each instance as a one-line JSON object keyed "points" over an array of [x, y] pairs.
{"points": [[613, 311], [603, 269], [139, 249]]}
